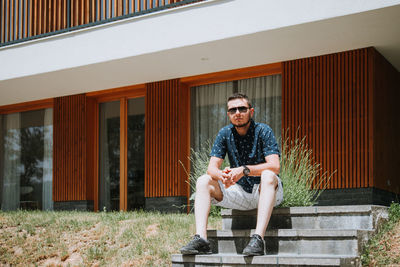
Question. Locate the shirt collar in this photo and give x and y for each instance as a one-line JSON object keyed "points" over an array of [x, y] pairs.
{"points": [[249, 131]]}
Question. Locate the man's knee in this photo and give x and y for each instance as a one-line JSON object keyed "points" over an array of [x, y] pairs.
{"points": [[269, 178], [203, 181]]}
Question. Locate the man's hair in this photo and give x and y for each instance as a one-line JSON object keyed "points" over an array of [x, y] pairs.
{"points": [[240, 96]]}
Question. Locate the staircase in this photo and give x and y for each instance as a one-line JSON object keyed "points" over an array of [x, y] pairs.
{"points": [[299, 236]]}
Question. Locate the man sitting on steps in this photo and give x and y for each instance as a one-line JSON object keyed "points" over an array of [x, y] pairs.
{"points": [[251, 181]]}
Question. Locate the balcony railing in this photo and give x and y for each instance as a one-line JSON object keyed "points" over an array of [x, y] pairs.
{"points": [[24, 20]]}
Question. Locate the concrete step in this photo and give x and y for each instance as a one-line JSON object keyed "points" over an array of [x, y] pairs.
{"points": [[236, 260], [318, 217], [300, 241]]}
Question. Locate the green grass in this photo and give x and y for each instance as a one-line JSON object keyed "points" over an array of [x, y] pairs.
{"points": [[383, 249], [303, 179], [29, 238]]}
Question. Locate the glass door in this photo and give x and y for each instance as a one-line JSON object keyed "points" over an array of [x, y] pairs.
{"points": [[121, 154], [135, 153], [109, 156]]}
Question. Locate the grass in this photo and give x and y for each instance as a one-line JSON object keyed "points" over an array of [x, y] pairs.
{"points": [[38, 238], [303, 179], [383, 249]]}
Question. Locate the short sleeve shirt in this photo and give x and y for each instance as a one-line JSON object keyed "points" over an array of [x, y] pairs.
{"points": [[250, 149]]}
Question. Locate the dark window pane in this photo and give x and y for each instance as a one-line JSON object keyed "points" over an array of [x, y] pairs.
{"points": [[109, 135], [26, 160], [136, 141]]}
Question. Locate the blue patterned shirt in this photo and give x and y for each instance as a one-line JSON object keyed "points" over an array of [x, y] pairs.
{"points": [[250, 149]]}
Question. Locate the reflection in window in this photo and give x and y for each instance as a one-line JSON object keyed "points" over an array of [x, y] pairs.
{"points": [[136, 135], [109, 156], [26, 166]]}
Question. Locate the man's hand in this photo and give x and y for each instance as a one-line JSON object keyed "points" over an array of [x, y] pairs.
{"points": [[224, 177], [236, 174], [233, 175]]}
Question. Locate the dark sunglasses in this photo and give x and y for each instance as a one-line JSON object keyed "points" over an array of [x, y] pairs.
{"points": [[241, 110]]}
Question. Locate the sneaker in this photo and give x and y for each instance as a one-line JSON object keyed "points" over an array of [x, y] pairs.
{"points": [[197, 245], [255, 246]]}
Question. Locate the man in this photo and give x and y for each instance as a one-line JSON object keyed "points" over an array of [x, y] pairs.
{"points": [[251, 181]]}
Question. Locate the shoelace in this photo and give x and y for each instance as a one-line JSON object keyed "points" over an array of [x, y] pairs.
{"points": [[254, 241]]}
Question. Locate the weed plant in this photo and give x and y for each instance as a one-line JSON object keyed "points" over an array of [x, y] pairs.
{"points": [[378, 251], [303, 179]]}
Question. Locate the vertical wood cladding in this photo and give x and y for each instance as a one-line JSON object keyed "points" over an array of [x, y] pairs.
{"points": [[69, 148], [329, 99], [386, 128], [167, 143]]}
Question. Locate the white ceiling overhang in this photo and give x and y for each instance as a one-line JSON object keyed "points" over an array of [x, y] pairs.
{"points": [[206, 37]]}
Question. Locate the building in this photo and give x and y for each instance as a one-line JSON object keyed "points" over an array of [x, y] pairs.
{"points": [[100, 101]]}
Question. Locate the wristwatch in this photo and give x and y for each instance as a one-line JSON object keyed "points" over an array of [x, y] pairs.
{"points": [[246, 170]]}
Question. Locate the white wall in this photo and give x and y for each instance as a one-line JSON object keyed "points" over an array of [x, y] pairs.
{"points": [[200, 38]]}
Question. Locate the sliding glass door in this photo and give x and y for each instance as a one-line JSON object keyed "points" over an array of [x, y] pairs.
{"points": [[136, 153], [109, 147], [121, 154]]}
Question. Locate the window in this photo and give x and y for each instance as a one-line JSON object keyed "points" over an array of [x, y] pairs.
{"points": [[209, 106], [26, 160]]}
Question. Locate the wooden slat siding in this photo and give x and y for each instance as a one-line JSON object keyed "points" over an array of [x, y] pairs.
{"points": [[386, 123], [327, 99], [2, 20], [69, 148], [167, 140]]}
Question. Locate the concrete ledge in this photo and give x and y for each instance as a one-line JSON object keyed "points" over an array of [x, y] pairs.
{"points": [[356, 196], [166, 204], [80, 205]]}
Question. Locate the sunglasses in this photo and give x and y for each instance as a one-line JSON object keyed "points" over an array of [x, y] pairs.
{"points": [[241, 110]]}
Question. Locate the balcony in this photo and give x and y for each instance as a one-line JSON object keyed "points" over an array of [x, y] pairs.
{"points": [[182, 39], [24, 20]]}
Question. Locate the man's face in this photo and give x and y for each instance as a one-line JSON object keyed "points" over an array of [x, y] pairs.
{"points": [[239, 112]]}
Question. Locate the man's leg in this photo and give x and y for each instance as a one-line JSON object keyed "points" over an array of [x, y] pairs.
{"points": [[266, 203], [206, 188]]}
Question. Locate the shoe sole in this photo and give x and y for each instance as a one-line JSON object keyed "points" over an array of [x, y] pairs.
{"points": [[252, 254]]}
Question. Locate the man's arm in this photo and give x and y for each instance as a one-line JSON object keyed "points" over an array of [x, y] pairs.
{"points": [[214, 169], [271, 163]]}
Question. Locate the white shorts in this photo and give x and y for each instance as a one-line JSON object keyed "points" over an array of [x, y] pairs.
{"points": [[234, 197]]}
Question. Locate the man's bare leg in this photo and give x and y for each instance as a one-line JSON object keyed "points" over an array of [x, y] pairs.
{"points": [[206, 188], [266, 203]]}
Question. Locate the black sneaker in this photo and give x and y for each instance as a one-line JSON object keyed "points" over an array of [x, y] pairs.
{"points": [[197, 245], [255, 246]]}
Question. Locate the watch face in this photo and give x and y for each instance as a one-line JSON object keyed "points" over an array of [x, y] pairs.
{"points": [[246, 171]]}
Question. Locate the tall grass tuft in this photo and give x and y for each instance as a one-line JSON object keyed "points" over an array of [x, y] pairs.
{"points": [[303, 179]]}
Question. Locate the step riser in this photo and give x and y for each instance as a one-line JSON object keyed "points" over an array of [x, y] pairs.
{"points": [[301, 222], [340, 217], [229, 260], [274, 246]]}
